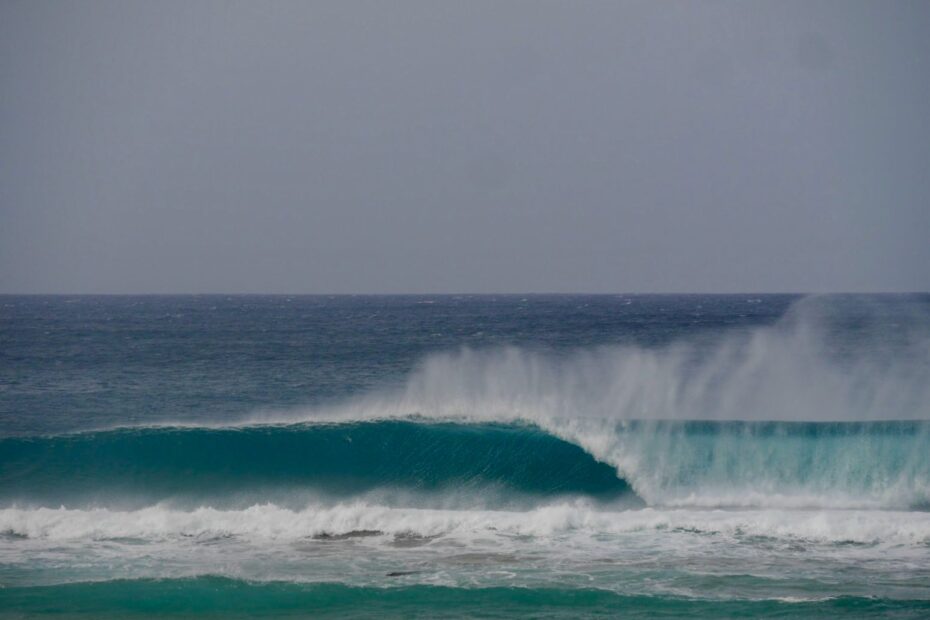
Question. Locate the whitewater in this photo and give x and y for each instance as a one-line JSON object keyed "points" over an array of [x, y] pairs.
{"points": [[562, 455]]}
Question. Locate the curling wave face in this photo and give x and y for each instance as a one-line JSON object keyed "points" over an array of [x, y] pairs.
{"points": [[684, 464], [329, 460]]}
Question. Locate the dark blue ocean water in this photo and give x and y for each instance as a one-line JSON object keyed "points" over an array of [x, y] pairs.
{"points": [[78, 362], [737, 455]]}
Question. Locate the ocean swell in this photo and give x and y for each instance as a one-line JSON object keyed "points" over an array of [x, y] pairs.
{"points": [[424, 463], [331, 460]]}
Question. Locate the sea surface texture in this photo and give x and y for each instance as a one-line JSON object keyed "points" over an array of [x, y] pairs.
{"points": [[455, 456]]}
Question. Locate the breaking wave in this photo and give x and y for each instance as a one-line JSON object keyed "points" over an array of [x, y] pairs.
{"points": [[697, 464], [826, 408]]}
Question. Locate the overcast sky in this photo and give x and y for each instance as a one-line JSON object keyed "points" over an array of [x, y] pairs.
{"points": [[330, 147]]}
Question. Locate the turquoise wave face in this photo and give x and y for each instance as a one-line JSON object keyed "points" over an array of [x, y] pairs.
{"points": [[337, 460], [697, 464], [234, 598]]}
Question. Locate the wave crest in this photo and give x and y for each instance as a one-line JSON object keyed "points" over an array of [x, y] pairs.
{"points": [[499, 463]]}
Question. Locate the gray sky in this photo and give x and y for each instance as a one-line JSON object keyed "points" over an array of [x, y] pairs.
{"points": [[464, 146]]}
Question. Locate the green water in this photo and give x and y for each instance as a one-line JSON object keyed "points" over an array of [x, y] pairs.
{"points": [[227, 598]]}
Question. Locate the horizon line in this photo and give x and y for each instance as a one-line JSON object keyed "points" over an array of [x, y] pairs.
{"points": [[451, 294]]}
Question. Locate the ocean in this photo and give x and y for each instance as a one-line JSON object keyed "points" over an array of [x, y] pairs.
{"points": [[539, 456]]}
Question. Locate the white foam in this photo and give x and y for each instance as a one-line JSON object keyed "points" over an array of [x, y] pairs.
{"points": [[577, 519]]}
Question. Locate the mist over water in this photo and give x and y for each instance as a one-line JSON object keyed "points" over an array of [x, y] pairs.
{"points": [[812, 365]]}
